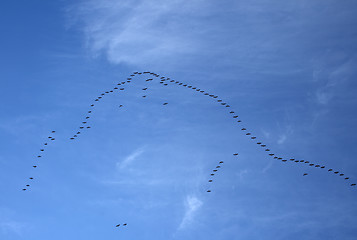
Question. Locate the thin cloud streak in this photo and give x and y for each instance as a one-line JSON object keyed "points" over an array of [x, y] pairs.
{"points": [[192, 205], [129, 159]]}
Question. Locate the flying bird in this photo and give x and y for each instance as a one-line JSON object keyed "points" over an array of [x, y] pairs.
{"points": [[305, 174]]}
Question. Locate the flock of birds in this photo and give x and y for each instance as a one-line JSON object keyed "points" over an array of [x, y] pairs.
{"points": [[165, 81]]}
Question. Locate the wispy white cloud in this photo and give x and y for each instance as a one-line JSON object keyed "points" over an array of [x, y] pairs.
{"points": [[192, 205], [131, 158], [138, 32]]}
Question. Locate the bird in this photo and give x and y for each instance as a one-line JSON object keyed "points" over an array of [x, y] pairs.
{"points": [[34, 166], [145, 89], [353, 184], [259, 143], [210, 180], [81, 127], [53, 131], [42, 150], [212, 174], [45, 144], [117, 225], [218, 166], [284, 160], [39, 156], [271, 154], [24, 189], [78, 132], [305, 174], [253, 137], [221, 162], [27, 185], [215, 170], [144, 96], [165, 103], [88, 127], [87, 117], [235, 154], [311, 164], [208, 190], [243, 129], [346, 178], [267, 150], [31, 178], [84, 122], [53, 139], [92, 105], [263, 145], [236, 116], [124, 224], [329, 170], [231, 112], [89, 111], [248, 134], [342, 174], [71, 138], [317, 165], [120, 105]]}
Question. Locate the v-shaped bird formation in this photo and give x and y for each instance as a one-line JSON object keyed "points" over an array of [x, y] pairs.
{"points": [[165, 81]]}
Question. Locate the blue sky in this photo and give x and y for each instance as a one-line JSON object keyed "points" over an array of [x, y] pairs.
{"points": [[287, 68]]}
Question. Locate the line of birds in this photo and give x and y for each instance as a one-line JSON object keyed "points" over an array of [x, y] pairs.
{"points": [[214, 171], [42, 150], [165, 81]]}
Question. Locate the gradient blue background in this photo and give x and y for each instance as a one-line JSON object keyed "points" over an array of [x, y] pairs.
{"points": [[288, 68]]}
